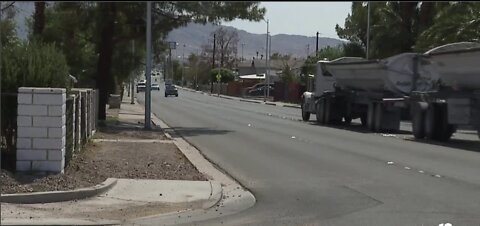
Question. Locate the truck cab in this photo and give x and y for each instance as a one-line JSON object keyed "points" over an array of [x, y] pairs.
{"points": [[316, 87]]}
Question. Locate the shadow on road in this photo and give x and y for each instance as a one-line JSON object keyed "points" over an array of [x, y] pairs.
{"points": [[194, 131], [468, 145], [357, 127]]}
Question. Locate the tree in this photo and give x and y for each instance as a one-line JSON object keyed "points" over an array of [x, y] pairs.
{"points": [[455, 22], [226, 75], [408, 19], [328, 53], [39, 18], [279, 56], [353, 49], [226, 43]]}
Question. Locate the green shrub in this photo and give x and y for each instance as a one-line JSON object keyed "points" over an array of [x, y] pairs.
{"points": [[33, 64], [227, 75]]}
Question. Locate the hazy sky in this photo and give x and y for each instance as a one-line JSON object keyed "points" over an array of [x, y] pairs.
{"points": [[300, 18]]}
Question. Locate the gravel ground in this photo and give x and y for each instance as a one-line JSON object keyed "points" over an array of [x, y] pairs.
{"points": [[99, 161]]}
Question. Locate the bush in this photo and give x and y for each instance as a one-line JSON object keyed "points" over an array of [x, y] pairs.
{"points": [[227, 75], [33, 65]]}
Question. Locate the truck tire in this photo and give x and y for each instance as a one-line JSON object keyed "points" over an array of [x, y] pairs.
{"points": [[363, 120], [330, 114], [444, 130], [305, 114], [378, 126], [320, 110], [347, 120], [371, 117], [418, 122], [430, 122]]}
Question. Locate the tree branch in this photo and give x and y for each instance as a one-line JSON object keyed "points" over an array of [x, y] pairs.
{"points": [[8, 6]]}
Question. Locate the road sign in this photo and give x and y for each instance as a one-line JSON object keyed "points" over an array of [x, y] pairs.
{"points": [[219, 77]]}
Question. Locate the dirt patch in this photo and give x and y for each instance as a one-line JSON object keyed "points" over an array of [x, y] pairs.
{"points": [[99, 161]]}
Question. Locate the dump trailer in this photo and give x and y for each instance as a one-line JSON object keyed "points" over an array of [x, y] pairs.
{"points": [[453, 99], [372, 90]]}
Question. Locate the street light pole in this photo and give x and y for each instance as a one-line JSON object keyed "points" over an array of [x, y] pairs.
{"points": [[243, 44], [316, 48], [132, 83], [266, 67], [148, 67], [368, 29]]}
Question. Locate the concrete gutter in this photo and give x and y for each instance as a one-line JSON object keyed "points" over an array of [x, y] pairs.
{"points": [[58, 196]]}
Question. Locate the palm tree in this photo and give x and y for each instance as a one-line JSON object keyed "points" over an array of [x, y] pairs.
{"points": [[458, 21]]}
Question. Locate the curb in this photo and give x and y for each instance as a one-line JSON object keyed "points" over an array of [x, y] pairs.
{"points": [[59, 196], [243, 100], [215, 196]]}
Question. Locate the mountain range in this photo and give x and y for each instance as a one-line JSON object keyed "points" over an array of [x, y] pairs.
{"points": [[195, 35]]}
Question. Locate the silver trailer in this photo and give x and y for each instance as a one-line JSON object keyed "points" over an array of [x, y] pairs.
{"points": [[454, 98], [372, 90]]}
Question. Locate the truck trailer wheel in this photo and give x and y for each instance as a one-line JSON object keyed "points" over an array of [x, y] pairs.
{"points": [[305, 114], [430, 122], [444, 130], [378, 127], [320, 110], [418, 122], [371, 117]]}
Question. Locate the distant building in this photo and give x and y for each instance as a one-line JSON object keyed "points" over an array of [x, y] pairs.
{"points": [[250, 68]]}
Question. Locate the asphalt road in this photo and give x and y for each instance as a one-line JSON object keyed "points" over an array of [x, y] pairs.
{"points": [[305, 174]]}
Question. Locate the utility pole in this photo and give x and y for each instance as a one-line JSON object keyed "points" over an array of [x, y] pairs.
{"points": [[148, 68], [183, 63], [368, 29], [266, 68], [243, 44], [316, 48], [0, 78], [213, 62], [132, 83], [308, 50]]}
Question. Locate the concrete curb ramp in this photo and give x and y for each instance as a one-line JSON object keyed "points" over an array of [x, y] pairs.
{"points": [[59, 196]]}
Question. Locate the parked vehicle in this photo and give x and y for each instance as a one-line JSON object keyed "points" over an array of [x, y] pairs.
{"points": [[258, 89], [170, 90]]}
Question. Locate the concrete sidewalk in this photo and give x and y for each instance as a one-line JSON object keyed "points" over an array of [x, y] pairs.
{"points": [[125, 201], [128, 199], [276, 103]]}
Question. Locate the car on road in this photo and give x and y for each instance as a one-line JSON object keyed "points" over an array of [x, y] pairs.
{"points": [[258, 90], [155, 86], [141, 85], [170, 90]]}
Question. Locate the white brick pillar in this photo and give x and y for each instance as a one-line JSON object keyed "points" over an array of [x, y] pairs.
{"points": [[41, 129]]}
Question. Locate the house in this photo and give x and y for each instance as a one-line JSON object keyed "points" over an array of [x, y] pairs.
{"points": [[255, 68]]}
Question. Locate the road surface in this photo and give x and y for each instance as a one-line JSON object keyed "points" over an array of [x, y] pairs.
{"points": [[305, 174]]}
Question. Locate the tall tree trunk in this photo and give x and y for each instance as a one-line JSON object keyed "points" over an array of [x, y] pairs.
{"points": [[106, 45], [39, 18]]}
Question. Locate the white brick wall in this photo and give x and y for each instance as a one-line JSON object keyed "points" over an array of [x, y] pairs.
{"points": [[57, 110], [24, 98], [31, 132], [31, 154], [24, 143], [48, 99], [31, 110], [41, 129], [49, 121], [51, 166], [48, 143], [57, 132], [24, 165], [56, 155], [24, 121]]}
